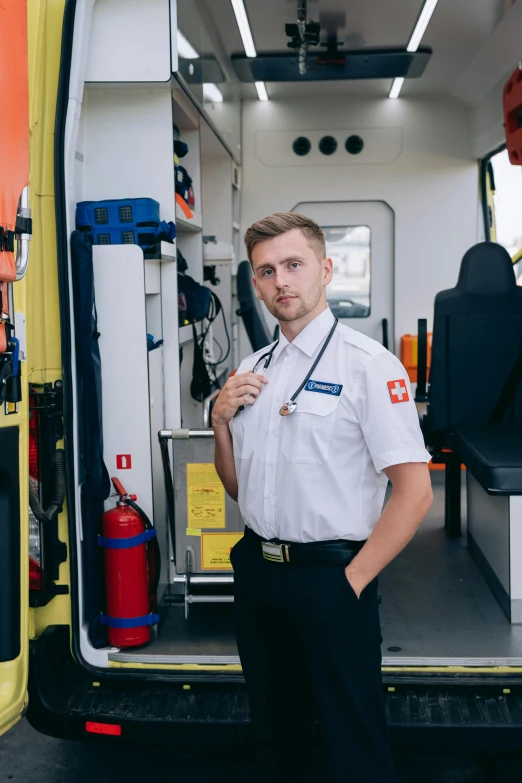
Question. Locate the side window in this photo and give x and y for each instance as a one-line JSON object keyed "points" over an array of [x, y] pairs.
{"points": [[349, 293], [507, 199]]}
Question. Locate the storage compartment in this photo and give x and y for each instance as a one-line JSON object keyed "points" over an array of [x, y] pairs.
{"points": [[124, 165]]}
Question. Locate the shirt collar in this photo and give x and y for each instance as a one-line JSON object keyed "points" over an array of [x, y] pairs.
{"points": [[308, 338]]}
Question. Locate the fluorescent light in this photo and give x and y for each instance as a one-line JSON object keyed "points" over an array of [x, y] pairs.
{"points": [[185, 49], [396, 87], [212, 93], [261, 91], [244, 27], [422, 23], [416, 37], [248, 41]]}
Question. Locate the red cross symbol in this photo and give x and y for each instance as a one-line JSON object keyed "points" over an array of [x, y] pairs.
{"points": [[398, 391]]}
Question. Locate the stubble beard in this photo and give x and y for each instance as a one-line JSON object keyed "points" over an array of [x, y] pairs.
{"points": [[305, 307]]}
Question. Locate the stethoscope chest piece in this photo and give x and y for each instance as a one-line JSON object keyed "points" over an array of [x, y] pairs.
{"points": [[288, 408]]}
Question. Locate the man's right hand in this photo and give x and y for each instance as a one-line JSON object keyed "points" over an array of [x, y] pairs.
{"points": [[239, 390]]}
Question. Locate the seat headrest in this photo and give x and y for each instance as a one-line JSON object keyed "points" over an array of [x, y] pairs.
{"points": [[250, 308], [486, 269]]}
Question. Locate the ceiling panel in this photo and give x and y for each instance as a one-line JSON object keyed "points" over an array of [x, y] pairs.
{"points": [[457, 32]]}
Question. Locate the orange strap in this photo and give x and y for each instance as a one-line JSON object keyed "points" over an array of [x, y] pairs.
{"points": [[4, 299], [184, 207], [3, 339]]}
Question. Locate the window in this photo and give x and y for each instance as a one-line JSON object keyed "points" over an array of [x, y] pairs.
{"points": [[349, 292], [507, 199]]}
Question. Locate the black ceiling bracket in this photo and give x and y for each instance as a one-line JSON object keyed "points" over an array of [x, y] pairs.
{"points": [[303, 35]]}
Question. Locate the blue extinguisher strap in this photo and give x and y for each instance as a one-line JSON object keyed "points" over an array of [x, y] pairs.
{"points": [[126, 543], [129, 622]]}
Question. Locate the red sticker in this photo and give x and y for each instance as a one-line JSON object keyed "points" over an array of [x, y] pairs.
{"points": [[398, 391], [123, 461]]}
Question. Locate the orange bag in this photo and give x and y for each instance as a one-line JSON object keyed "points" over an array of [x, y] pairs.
{"points": [[14, 127]]}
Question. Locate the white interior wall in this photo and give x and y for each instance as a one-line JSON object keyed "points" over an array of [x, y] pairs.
{"points": [[432, 183], [124, 361], [488, 121], [129, 145], [482, 83]]}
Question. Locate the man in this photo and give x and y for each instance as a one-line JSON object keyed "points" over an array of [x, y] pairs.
{"points": [[307, 448]]}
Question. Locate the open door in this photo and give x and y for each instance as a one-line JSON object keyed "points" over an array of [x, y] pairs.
{"points": [[359, 239], [14, 424]]}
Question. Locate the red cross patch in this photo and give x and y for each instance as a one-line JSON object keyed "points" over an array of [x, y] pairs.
{"points": [[398, 391]]}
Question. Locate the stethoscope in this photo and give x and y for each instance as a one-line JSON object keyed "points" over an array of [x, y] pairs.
{"points": [[291, 405]]}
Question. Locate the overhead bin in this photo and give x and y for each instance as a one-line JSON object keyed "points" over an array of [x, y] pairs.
{"points": [[133, 45], [385, 63]]}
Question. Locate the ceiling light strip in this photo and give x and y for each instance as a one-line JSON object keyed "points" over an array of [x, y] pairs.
{"points": [[422, 23], [414, 42], [396, 87], [261, 91], [244, 27]]}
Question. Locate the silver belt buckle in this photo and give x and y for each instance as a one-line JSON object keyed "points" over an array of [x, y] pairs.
{"points": [[272, 552]]}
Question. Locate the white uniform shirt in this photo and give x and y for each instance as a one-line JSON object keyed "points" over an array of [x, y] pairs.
{"points": [[316, 474]]}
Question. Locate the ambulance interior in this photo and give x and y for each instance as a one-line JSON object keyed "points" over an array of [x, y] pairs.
{"points": [[166, 101]]}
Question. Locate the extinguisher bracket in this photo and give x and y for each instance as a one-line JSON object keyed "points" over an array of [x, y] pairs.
{"points": [[126, 543]]}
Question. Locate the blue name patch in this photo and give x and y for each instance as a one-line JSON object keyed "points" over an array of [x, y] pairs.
{"points": [[324, 387]]}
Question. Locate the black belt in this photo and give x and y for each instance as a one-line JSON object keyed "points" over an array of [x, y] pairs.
{"points": [[278, 551]]}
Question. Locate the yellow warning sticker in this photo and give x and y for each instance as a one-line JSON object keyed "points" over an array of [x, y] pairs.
{"points": [[215, 550], [205, 496], [193, 531]]}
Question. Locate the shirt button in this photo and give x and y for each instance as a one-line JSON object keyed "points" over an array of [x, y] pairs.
{"points": [[275, 430], [270, 463]]}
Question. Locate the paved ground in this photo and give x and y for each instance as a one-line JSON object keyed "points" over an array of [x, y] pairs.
{"points": [[29, 757]]}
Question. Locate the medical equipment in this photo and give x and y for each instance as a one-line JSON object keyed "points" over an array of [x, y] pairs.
{"points": [[291, 406]]}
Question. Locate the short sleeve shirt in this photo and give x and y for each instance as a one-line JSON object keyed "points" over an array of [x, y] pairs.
{"points": [[316, 474]]}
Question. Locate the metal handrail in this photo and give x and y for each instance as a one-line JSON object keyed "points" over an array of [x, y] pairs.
{"points": [[22, 240]]}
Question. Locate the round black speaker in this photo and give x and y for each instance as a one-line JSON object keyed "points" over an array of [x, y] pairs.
{"points": [[301, 146], [328, 145], [354, 145]]}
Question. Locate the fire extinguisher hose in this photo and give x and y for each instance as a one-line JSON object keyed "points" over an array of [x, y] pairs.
{"points": [[154, 543]]}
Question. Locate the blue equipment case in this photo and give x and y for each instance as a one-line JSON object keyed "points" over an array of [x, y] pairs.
{"points": [[131, 221]]}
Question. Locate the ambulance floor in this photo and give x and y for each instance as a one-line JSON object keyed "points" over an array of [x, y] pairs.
{"points": [[436, 610], [436, 605]]}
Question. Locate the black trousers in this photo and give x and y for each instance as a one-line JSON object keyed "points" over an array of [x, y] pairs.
{"points": [[311, 657]]}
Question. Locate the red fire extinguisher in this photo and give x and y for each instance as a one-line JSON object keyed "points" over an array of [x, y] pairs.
{"points": [[132, 571]]}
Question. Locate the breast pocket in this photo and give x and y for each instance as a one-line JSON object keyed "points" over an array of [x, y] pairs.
{"points": [[245, 431], [307, 433]]}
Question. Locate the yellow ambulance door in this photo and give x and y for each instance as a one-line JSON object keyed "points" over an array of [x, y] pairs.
{"points": [[14, 425]]}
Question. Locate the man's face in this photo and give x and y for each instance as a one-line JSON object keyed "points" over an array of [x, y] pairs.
{"points": [[288, 276]]}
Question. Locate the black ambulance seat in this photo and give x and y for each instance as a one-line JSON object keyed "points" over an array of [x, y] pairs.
{"points": [[477, 337], [250, 309], [493, 454]]}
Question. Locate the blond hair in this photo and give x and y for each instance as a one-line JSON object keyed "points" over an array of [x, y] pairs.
{"points": [[282, 222]]}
